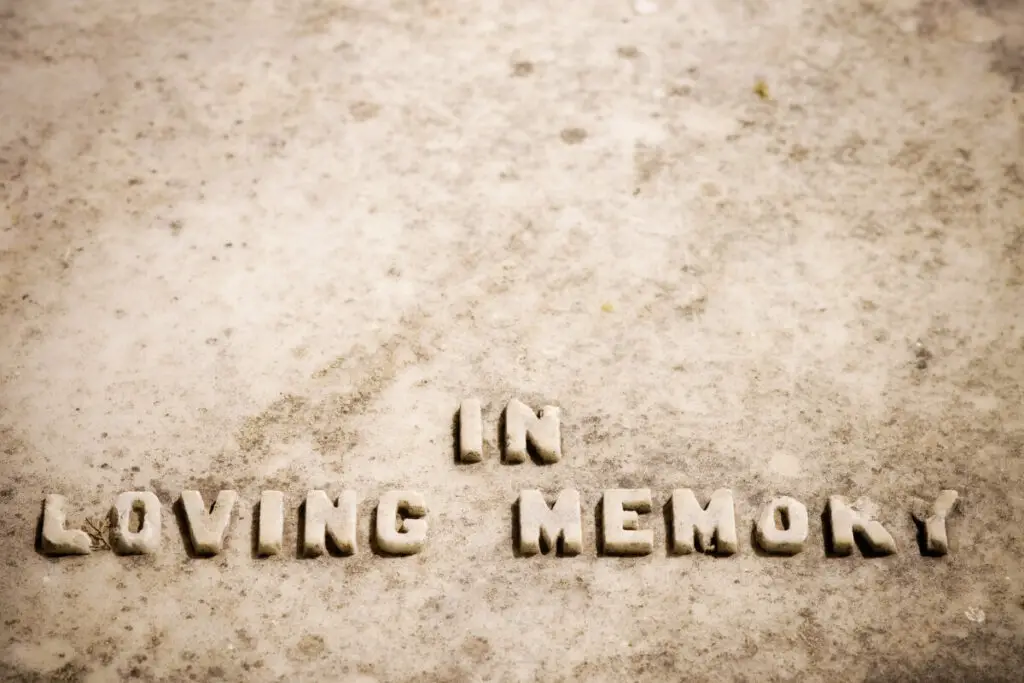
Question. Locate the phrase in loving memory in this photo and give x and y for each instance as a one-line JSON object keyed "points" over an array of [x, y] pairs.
{"points": [[540, 524]]}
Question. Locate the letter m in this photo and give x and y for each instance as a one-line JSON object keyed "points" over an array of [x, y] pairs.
{"points": [[711, 529]]}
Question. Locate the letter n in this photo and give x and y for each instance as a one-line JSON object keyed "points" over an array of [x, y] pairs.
{"points": [[542, 431]]}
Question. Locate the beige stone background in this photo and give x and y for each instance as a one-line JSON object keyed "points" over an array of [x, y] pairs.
{"points": [[775, 246]]}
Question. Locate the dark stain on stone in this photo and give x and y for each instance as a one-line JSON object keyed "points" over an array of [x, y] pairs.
{"points": [[573, 136], [522, 69], [364, 111]]}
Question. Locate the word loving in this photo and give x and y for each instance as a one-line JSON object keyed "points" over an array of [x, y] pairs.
{"points": [[539, 526]]}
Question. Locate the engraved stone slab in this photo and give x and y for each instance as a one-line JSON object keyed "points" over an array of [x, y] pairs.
{"points": [[771, 247]]}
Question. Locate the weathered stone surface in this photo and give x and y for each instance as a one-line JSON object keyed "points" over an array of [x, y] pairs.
{"points": [[771, 246]]}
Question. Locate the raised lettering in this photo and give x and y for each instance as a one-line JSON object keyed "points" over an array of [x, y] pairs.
{"points": [[207, 529], [845, 521], [471, 431], [932, 520], [711, 529], [56, 540], [541, 431], [325, 519], [401, 529], [620, 522], [271, 524], [542, 528], [145, 540], [789, 540]]}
